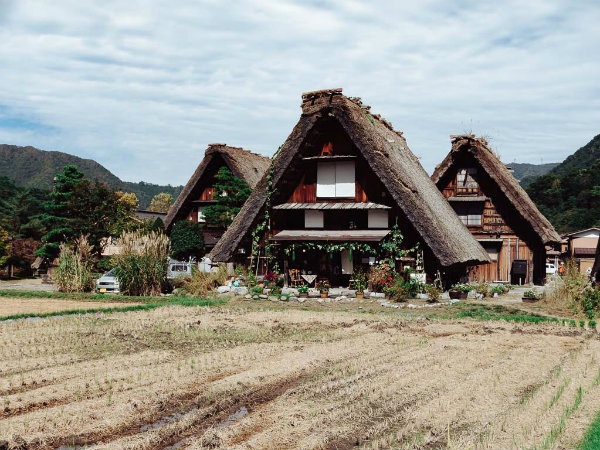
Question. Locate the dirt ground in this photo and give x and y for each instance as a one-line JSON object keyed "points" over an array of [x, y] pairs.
{"points": [[270, 376]]}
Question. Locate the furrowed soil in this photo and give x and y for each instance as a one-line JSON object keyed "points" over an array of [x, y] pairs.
{"points": [[267, 376]]}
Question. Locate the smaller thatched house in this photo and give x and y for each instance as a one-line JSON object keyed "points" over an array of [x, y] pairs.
{"points": [[497, 211], [199, 191], [340, 189]]}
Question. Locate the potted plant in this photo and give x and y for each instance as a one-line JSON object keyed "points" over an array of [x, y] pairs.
{"points": [[256, 291], [530, 296], [323, 287], [459, 291], [361, 281], [303, 290]]}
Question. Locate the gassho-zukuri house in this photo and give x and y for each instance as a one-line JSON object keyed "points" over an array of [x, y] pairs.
{"points": [[343, 188], [497, 211], [199, 191]]}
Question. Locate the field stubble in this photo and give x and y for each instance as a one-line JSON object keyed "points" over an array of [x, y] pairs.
{"points": [[252, 377]]}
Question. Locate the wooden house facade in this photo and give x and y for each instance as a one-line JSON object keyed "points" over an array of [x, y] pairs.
{"points": [[581, 247], [497, 211], [199, 191], [344, 182]]}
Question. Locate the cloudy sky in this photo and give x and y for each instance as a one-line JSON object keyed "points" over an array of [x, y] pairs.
{"points": [[143, 86]]}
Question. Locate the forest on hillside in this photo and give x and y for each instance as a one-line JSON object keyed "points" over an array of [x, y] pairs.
{"points": [[569, 195]]}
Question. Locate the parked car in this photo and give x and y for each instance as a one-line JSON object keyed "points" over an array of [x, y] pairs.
{"points": [[550, 269], [179, 269], [108, 283]]}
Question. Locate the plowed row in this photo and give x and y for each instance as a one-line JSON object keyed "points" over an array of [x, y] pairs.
{"points": [[245, 377]]}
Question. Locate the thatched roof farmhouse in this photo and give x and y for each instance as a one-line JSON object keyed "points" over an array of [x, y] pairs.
{"points": [[345, 175]]}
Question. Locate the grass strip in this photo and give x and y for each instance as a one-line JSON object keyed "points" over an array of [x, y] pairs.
{"points": [[179, 301], [591, 440], [499, 312], [72, 295]]}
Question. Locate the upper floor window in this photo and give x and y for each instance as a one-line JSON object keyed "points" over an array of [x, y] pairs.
{"points": [[336, 179], [465, 181], [470, 213]]}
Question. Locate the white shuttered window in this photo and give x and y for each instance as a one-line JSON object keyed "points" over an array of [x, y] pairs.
{"points": [[336, 179]]}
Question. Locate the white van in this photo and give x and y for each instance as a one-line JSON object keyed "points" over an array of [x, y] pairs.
{"points": [[179, 269]]}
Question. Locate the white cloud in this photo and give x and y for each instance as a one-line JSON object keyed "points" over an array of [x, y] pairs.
{"points": [[144, 86]]}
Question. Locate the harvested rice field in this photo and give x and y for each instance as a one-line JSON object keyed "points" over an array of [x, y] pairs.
{"points": [[260, 376], [13, 306]]}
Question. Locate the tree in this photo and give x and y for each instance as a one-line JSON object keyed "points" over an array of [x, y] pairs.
{"points": [[78, 207], [57, 217], [4, 246], [187, 240], [230, 194], [161, 203]]}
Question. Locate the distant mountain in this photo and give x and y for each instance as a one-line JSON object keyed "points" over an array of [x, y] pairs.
{"points": [[569, 195], [31, 167], [526, 173]]}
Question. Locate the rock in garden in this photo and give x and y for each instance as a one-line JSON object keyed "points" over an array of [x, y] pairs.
{"points": [[223, 289]]}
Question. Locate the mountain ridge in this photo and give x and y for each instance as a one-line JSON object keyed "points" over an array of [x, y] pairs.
{"points": [[31, 167]]}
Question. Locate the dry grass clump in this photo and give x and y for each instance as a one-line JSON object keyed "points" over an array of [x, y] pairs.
{"points": [[142, 262], [74, 271], [564, 291], [200, 284]]}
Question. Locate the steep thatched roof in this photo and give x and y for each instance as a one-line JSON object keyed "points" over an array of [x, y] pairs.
{"points": [[389, 157], [243, 164], [469, 149]]}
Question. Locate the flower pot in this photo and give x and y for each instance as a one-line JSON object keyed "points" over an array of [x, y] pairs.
{"points": [[360, 295], [456, 294], [324, 294], [303, 294]]}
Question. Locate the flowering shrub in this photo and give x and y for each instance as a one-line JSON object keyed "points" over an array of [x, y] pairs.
{"points": [[382, 276]]}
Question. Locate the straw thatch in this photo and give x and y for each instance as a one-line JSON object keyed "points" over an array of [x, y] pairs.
{"points": [[389, 157], [244, 164], [507, 194]]}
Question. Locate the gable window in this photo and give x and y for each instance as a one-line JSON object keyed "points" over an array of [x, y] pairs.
{"points": [[465, 181], [336, 179], [469, 213]]}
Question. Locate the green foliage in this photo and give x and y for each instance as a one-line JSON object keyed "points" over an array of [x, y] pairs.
{"points": [[591, 440], [499, 289], [589, 301], [361, 280], [161, 202], [402, 289], [77, 207], [303, 288], [187, 240], [569, 195], [433, 292], [4, 247], [230, 194], [74, 271], [461, 287], [530, 294], [142, 263]]}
